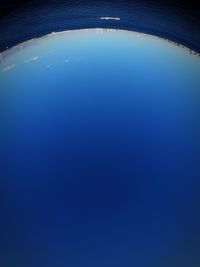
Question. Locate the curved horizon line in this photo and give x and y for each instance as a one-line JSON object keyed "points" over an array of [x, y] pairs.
{"points": [[19, 46]]}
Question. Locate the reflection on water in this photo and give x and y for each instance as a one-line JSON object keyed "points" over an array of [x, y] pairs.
{"points": [[100, 139]]}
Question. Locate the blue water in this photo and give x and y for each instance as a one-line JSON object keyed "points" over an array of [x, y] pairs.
{"points": [[100, 151]]}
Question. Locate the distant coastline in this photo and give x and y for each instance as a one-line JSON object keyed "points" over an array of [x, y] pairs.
{"points": [[23, 45]]}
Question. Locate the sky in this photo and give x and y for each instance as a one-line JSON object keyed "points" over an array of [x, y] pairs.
{"points": [[100, 144]]}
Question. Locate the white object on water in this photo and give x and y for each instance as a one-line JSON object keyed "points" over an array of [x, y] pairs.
{"points": [[110, 18]]}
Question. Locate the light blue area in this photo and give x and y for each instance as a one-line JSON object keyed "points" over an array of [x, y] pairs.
{"points": [[100, 144]]}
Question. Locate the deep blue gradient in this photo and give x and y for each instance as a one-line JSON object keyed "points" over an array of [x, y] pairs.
{"points": [[100, 150]]}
